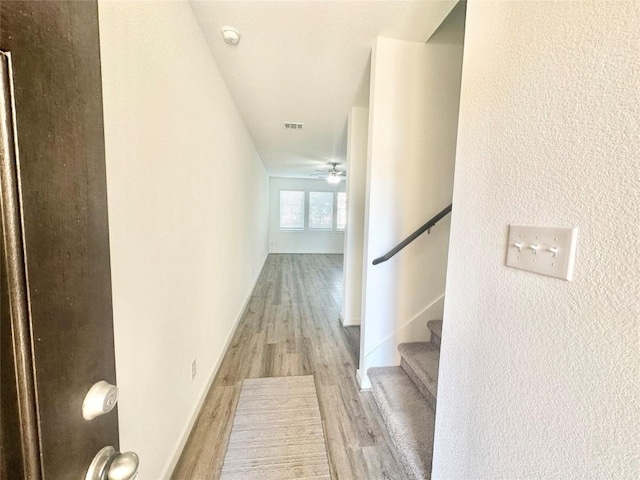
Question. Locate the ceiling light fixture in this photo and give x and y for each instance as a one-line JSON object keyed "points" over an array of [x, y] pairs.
{"points": [[333, 178], [230, 35]]}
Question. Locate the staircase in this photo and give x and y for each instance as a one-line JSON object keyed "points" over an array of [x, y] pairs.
{"points": [[406, 397]]}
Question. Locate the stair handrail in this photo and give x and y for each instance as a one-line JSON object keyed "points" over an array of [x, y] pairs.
{"points": [[427, 226]]}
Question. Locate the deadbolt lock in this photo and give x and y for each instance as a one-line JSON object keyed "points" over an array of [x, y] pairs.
{"points": [[100, 399]]}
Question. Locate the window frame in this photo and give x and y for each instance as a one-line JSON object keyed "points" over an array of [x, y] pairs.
{"points": [[306, 204], [344, 228], [321, 229], [304, 211]]}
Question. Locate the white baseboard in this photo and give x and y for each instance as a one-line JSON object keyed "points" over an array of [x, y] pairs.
{"points": [[168, 470], [349, 322], [297, 250], [363, 381]]}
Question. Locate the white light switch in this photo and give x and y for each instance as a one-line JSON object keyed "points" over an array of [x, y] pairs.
{"points": [[548, 251]]}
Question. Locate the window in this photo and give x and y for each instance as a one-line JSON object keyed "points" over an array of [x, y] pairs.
{"points": [[291, 210], [341, 213], [301, 210], [321, 210]]}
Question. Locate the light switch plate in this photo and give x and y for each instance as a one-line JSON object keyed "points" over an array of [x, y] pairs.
{"points": [[548, 251]]}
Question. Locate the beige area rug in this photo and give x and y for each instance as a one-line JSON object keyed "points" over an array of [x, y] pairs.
{"points": [[277, 432]]}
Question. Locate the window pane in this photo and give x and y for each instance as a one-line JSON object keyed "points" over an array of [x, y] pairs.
{"points": [[321, 210], [342, 211], [291, 210]]}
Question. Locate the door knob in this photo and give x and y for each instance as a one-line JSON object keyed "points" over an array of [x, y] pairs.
{"points": [[109, 464], [124, 467]]}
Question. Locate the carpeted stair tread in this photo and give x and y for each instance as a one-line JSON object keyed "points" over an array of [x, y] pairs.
{"points": [[436, 331], [421, 360], [408, 417]]}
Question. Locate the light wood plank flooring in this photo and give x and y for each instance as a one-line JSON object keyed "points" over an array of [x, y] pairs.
{"points": [[291, 327]]}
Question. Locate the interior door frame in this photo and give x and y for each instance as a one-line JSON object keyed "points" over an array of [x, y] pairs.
{"points": [[15, 271]]}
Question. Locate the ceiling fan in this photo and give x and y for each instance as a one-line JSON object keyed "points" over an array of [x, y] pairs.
{"points": [[333, 175]]}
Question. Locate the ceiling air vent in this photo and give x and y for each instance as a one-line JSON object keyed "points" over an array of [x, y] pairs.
{"points": [[293, 125]]}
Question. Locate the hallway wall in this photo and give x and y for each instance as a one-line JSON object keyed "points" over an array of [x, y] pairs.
{"points": [[413, 117], [539, 376], [357, 140], [188, 219]]}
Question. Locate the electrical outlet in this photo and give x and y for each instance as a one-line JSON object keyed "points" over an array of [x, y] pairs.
{"points": [[193, 369]]}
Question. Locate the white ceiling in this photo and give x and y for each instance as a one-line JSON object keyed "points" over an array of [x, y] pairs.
{"points": [[309, 62]]}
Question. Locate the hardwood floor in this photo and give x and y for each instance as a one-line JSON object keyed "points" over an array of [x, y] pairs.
{"points": [[353, 339], [291, 327]]}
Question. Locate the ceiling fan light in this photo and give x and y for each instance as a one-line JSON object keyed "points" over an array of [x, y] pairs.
{"points": [[333, 179]]}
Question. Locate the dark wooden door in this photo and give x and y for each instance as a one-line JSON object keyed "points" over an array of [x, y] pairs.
{"points": [[57, 326]]}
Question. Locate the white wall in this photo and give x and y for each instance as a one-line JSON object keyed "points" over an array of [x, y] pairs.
{"points": [[413, 113], [188, 219], [301, 241], [357, 135], [539, 377]]}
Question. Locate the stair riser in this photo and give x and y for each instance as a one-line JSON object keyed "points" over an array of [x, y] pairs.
{"points": [[408, 419], [435, 326], [411, 475], [426, 393], [408, 471]]}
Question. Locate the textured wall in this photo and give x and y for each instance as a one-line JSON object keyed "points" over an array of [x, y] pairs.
{"points": [[187, 216], [413, 117], [540, 378]]}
